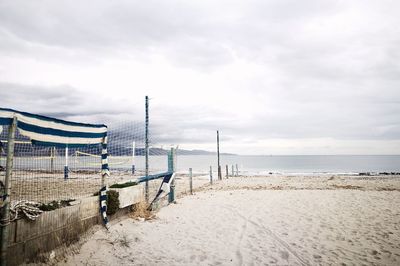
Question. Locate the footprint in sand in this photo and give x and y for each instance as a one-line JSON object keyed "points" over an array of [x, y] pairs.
{"points": [[284, 255], [316, 256]]}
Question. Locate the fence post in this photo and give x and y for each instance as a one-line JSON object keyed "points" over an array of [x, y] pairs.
{"points": [[233, 171], [5, 213], [227, 172], [191, 181], [211, 177], [237, 170], [171, 168]]}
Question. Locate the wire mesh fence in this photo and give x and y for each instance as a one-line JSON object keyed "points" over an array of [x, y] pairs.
{"points": [[46, 177], [48, 173]]}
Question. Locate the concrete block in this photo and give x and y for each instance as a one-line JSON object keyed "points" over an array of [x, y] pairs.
{"points": [[129, 195]]}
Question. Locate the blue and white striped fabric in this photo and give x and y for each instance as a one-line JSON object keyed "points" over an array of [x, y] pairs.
{"points": [[54, 132], [43, 130], [104, 155], [103, 206], [164, 189]]}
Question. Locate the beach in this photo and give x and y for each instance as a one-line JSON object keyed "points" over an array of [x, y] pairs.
{"points": [[259, 221]]}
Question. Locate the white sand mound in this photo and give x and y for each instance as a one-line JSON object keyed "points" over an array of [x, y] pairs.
{"points": [[263, 227]]}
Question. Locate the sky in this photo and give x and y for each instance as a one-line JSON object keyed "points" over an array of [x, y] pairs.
{"points": [[273, 76]]}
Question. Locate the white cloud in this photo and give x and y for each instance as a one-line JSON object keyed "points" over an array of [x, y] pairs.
{"points": [[274, 76]]}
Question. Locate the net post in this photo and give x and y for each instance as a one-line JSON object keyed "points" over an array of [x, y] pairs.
{"points": [[147, 148], [66, 170], [52, 155], [133, 157], [5, 211]]}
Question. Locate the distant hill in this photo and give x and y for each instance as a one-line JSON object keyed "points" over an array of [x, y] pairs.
{"points": [[199, 152], [158, 151]]}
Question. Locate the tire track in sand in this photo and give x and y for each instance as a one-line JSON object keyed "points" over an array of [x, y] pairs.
{"points": [[269, 232]]}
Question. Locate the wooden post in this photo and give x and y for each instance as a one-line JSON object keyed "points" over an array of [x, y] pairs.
{"points": [[147, 148], [191, 181], [237, 170], [219, 166], [227, 172], [233, 171], [211, 177], [5, 211]]}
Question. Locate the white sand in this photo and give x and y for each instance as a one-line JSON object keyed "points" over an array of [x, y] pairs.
{"points": [[288, 225]]}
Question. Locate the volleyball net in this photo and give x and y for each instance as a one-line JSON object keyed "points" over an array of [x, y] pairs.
{"points": [[46, 173]]}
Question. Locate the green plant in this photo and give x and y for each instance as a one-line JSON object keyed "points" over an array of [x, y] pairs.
{"points": [[127, 184]]}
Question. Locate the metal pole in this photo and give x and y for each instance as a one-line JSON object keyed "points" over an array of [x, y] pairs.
{"points": [[133, 157], [170, 161], [191, 181], [5, 211], [211, 177], [147, 148], [66, 163], [52, 155], [219, 166], [171, 196]]}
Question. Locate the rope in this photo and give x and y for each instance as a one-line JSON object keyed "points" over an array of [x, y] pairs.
{"points": [[22, 208], [121, 161]]}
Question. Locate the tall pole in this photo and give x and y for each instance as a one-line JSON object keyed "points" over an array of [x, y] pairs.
{"points": [[133, 157], [5, 211], [52, 155], [219, 166], [147, 148], [66, 170]]}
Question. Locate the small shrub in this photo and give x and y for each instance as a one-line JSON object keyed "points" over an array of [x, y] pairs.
{"points": [[53, 205], [112, 202]]}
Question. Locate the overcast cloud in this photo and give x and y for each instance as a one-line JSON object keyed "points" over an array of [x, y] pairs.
{"points": [[275, 77]]}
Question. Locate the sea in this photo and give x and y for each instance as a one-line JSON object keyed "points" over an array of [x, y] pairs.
{"points": [[246, 164], [295, 164]]}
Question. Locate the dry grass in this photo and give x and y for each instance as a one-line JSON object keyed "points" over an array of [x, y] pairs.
{"points": [[346, 186], [140, 211]]}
